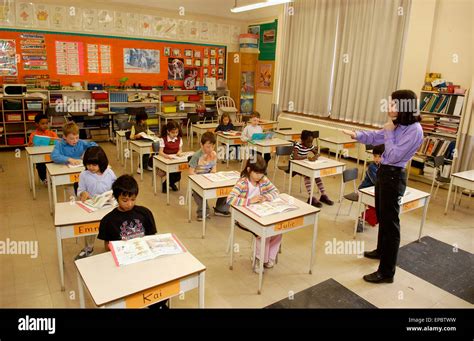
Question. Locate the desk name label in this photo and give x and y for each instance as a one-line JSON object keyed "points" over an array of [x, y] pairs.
{"points": [[86, 228], [328, 171], [289, 224], [153, 295], [223, 192]]}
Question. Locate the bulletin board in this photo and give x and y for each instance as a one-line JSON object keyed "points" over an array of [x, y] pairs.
{"points": [[267, 41], [195, 57]]}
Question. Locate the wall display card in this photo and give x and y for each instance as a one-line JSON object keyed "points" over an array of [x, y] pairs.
{"points": [[214, 32], [205, 62], [181, 29], [8, 65], [42, 15], [159, 26], [33, 50], [105, 59], [141, 60], [58, 17], [188, 62], [146, 23], [133, 24], [105, 20], [224, 31], [69, 58], [171, 28], [120, 22], [93, 58], [204, 31], [190, 77], [193, 30], [235, 34], [7, 13], [90, 20], [74, 18], [25, 14], [175, 69]]}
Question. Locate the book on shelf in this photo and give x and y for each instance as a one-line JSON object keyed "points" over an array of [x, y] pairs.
{"points": [[458, 107], [98, 202], [222, 176], [278, 205], [136, 250]]}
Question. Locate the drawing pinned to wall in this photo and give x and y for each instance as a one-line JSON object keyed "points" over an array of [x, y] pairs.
{"points": [[8, 65], [188, 62], [197, 54], [141, 60], [90, 20], [205, 62], [176, 53], [221, 61], [265, 77], [120, 22], [197, 62], [133, 24], [167, 51], [204, 31], [105, 58], [105, 20], [190, 77], [24, 13], [255, 30], [224, 31], [235, 34], [171, 28], [175, 69], [188, 53], [74, 18], [181, 29], [193, 30], [205, 71], [42, 15], [58, 17], [159, 26], [206, 52], [214, 32], [146, 25], [268, 36], [7, 13]]}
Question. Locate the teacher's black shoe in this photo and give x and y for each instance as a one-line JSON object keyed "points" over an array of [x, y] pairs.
{"points": [[372, 254], [377, 277]]}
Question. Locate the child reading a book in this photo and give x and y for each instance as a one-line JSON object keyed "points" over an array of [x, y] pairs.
{"points": [[138, 128], [96, 179], [301, 150], [41, 123], [225, 124], [254, 187], [70, 149], [171, 142], [254, 128], [203, 162], [369, 180]]}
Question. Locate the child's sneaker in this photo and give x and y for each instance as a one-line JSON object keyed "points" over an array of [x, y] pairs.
{"points": [[220, 213], [360, 225], [199, 217], [139, 171], [256, 268], [45, 182], [269, 264], [314, 202], [325, 199], [85, 252]]}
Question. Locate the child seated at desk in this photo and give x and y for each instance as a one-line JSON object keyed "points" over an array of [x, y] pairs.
{"points": [[70, 149], [203, 162], [140, 126], [225, 124], [170, 143], [96, 179], [42, 125], [253, 128], [301, 150], [254, 187], [369, 180]]}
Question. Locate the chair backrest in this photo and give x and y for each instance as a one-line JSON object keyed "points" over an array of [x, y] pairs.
{"points": [[193, 117], [316, 134], [286, 128], [225, 101], [135, 110], [350, 174], [369, 147], [124, 125], [284, 150], [155, 146], [189, 158], [127, 135]]}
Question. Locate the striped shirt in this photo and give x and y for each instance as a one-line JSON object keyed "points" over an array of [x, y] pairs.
{"points": [[239, 196], [303, 151]]}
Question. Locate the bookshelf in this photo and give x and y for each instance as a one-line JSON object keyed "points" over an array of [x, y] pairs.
{"points": [[443, 115], [17, 119]]}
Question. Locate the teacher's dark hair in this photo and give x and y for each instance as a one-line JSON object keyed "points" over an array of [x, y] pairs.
{"points": [[406, 104]]}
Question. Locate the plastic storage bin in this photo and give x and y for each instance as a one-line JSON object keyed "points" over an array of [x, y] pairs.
{"points": [[12, 105], [169, 109], [194, 98], [13, 117], [167, 98], [182, 98], [31, 105], [15, 140]]}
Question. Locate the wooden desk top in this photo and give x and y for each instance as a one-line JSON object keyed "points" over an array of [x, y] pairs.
{"points": [[39, 150], [205, 183], [272, 142], [141, 144], [338, 139], [170, 161], [466, 175], [304, 209], [328, 163], [107, 282], [230, 137], [411, 194], [121, 133], [70, 214], [60, 169], [205, 125], [288, 132]]}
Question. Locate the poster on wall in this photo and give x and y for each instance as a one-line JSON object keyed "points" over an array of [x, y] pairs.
{"points": [[235, 34], [265, 76], [58, 17], [247, 84], [105, 59], [246, 105], [175, 69], [190, 77], [204, 31], [181, 29], [120, 22], [133, 24], [92, 58], [105, 20], [171, 28], [8, 65], [42, 15], [33, 51], [255, 30], [24, 13], [74, 18], [268, 36], [69, 58], [7, 13], [147, 25], [141, 60], [90, 20]]}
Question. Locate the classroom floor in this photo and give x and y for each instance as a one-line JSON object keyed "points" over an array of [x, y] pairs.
{"points": [[27, 282]]}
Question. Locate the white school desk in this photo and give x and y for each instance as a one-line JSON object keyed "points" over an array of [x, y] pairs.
{"points": [[170, 116], [120, 140], [263, 147], [228, 140], [141, 148], [34, 155], [141, 284], [268, 124], [289, 135], [412, 200], [168, 166], [72, 221], [317, 170], [462, 179], [272, 225], [338, 143], [207, 189], [58, 175], [200, 129]]}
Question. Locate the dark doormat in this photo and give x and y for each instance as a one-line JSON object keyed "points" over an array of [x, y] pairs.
{"points": [[440, 264], [327, 294]]}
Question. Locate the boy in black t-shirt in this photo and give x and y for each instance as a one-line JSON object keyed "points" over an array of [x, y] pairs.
{"points": [[127, 221]]}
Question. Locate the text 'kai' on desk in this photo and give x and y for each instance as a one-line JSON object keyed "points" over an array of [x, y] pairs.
{"points": [[34, 155]]}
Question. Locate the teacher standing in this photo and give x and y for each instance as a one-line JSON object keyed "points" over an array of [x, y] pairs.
{"points": [[402, 135]]}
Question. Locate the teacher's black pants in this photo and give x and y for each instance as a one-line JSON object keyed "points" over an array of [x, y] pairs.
{"points": [[389, 190]]}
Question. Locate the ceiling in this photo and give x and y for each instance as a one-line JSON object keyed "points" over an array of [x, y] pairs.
{"points": [[217, 8]]}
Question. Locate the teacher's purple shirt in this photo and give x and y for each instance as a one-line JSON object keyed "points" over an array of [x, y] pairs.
{"points": [[400, 144]]}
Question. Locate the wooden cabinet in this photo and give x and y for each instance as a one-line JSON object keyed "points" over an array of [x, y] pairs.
{"points": [[241, 73]]}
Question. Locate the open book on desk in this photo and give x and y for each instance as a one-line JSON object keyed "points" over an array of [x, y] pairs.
{"points": [[222, 176], [139, 249], [151, 138], [183, 157], [70, 165], [231, 133], [267, 208], [98, 202], [318, 161]]}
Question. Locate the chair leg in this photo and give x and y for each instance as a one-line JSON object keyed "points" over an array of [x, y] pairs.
{"points": [[350, 208], [338, 210], [436, 190], [300, 183], [254, 249]]}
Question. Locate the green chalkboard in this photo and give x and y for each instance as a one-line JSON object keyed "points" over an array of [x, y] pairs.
{"points": [[267, 41]]}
